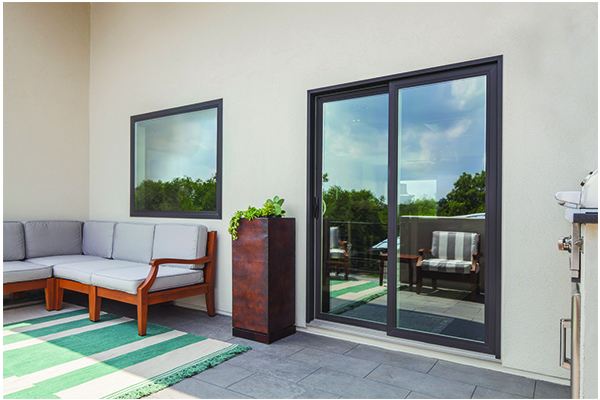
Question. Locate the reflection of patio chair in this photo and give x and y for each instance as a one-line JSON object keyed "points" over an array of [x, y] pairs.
{"points": [[336, 251], [455, 257]]}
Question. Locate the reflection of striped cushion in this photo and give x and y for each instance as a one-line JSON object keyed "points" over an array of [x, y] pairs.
{"points": [[454, 245], [454, 266]]}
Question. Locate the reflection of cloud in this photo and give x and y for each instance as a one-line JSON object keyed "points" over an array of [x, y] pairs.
{"points": [[464, 91], [451, 129], [178, 145]]}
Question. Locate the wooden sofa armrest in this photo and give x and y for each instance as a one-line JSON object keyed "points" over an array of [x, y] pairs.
{"points": [[475, 260], [154, 264], [421, 254], [160, 261], [344, 245], [209, 260]]}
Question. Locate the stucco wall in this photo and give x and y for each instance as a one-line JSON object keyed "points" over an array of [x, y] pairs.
{"points": [[46, 110], [262, 58]]}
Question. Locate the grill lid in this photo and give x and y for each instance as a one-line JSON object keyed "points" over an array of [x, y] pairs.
{"points": [[587, 198]]}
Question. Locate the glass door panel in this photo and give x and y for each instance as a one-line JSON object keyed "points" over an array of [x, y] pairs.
{"points": [[441, 208], [354, 207]]}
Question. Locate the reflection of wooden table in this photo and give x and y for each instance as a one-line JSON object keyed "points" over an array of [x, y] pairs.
{"points": [[403, 258]]}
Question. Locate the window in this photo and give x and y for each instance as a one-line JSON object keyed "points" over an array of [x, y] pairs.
{"points": [[412, 160], [176, 162]]}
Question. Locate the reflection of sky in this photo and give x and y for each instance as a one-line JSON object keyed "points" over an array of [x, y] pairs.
{"points": [[355, 143], [442, 135], [177, 145]]}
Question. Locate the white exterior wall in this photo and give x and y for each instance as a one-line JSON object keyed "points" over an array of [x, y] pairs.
{"points": [[46, 110], [262, 58]]}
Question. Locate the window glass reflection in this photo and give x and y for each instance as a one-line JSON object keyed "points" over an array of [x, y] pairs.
{"points": [[441, 208]]}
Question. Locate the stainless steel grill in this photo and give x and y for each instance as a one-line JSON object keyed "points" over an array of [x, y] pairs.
{"points": [[582, 208]]}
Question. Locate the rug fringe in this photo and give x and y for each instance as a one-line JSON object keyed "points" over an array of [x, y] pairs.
{"points": [[154, 386]]}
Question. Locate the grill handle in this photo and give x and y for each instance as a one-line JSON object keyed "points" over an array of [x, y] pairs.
{"points": [[564, 325]]}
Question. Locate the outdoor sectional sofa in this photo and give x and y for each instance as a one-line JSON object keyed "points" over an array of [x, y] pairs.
{"points": [[135, 263]]}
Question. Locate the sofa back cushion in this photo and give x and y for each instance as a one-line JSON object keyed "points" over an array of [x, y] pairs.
{"points": [[180, 241], [52, 238], [98, 238], [133, 242], [14, 241]]}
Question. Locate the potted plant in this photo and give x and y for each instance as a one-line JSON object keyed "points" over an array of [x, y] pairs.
{"points": [[264, 273], [271, 208]]}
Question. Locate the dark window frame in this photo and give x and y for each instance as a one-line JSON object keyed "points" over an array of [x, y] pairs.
{"points": [[217, 214], [491, 67]]}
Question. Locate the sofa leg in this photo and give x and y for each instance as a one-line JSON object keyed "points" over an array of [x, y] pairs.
{"points": [[50, 294], [94, 302], [58, 295], [474, 286], [142, 314], [210, 303]]}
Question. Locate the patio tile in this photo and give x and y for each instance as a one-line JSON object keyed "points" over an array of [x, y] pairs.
{"points": [[201, 390], [261, 386], [417, 395], [485, 393], [324, 343], [282, 368], [423, 383], [486, 378], [459, 311], [169, 393], [432, 309], [277, 349], [217, 332], [224, 375], [368, 312], [548, 390], [395, 358], [335, 361], [349, 386]]}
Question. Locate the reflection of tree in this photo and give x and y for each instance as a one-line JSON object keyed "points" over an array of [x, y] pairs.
{"points": [[361, 218], [179, 194], [423, 206], [467, 197]]}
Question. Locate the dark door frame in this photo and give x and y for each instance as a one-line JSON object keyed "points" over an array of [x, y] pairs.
{"points": [[490, 67]]}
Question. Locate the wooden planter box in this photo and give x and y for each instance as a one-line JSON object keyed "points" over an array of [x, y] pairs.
{"points": [[264, 279]]}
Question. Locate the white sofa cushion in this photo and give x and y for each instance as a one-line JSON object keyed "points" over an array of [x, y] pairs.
{"points": [[180, 241], [133, 242], [453, 266], [82, 271], [13, 241], [98, 238], [21, 271], [129, 279], [55, 260], [52, 238]]}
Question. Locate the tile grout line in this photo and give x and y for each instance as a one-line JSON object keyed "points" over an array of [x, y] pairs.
{"points": [[473, 392], [434, 364]]}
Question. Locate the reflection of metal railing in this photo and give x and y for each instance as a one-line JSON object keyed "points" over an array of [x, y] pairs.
{"points": [[361, 237], [414, 232]]}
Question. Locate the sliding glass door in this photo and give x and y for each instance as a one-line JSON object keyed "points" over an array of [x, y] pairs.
{"points": [[354, 207], [405, 205], [441, 207]]}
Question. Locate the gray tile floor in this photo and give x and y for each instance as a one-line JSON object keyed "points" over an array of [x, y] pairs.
{"points": [[310, 366]]}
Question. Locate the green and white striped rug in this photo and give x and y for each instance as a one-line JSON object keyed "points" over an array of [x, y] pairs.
{"points": [[62, 354], [348, 295]]}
